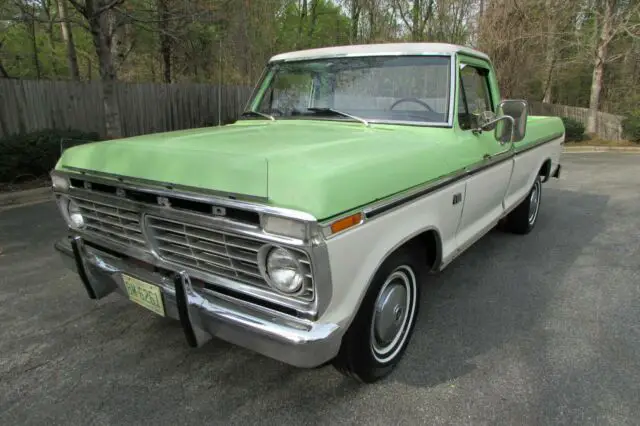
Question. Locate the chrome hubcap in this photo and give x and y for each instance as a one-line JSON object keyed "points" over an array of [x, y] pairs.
{"points": [[534, 202], [390, 312], [393, 314]]}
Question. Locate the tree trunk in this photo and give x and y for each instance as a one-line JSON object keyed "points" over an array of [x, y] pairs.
{"points": [[3, 72], [372, 22], [551, 48], [416, 19], [355, 19], [303, 17], [314, 20], [99, 26], [165, 40], [67, 36], [599, 63], [31, 27]]}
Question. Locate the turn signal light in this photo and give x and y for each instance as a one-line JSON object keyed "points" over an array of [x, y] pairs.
{"points": [[346, 223]]}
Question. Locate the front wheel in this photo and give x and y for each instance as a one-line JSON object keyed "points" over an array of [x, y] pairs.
{"points": [[382, 328], [523, 219]]}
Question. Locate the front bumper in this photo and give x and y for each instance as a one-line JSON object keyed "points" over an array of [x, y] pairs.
{"points": [[205, 314]]}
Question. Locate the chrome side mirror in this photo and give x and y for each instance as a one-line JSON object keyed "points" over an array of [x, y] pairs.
{"points": [[518, 110]]}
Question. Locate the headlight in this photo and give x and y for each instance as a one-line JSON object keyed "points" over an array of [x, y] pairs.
{"points": [[76, 221], [71, 212], [284, 271], [59, 182]]}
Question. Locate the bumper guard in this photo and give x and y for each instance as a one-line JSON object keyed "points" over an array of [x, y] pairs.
{"points": [[206, 314]]}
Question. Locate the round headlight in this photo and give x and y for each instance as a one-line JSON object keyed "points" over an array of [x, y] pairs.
{"points": [[284, 271], [76, 220]]}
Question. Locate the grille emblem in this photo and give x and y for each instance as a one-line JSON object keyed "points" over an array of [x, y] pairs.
{"points": [[219, 211], [164, 201], [121, 192]]}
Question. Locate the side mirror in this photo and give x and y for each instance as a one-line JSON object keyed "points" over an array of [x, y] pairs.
{"points": [[503, 127], [518, 110]]}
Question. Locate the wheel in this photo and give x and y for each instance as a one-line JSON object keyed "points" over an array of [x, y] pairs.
{"points": [[523, 219], [381, 330]]}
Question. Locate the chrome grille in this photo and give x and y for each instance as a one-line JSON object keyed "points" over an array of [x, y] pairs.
{"points": [[213, 251], [118, 224]]}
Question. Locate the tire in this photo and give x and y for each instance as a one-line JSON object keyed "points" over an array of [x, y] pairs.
{"points": [[381, 330], [524, 217]]}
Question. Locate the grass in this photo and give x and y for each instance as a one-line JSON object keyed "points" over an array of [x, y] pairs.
{"points": [[596, 141], [27, 182]]}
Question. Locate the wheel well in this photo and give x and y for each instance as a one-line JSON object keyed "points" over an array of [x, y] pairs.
{"points": [[430, 242], [545, 170]]}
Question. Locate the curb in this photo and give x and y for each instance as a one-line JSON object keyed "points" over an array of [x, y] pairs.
{"points": [[587, 148], [27, 196]]}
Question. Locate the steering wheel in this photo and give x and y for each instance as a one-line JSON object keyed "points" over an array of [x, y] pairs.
{"points": [[414, 100]]}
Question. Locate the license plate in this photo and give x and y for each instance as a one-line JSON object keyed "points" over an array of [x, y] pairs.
{"points": [[144, 294]]}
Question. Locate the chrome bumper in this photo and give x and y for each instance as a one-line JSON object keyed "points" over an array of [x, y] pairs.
{"points": [[205, 314]]}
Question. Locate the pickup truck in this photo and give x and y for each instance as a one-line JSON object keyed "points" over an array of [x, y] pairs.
{"points": [[305, 230]]}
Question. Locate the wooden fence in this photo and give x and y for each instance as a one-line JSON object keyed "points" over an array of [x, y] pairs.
{"points": [[27, 105], [608, 126], [30, 105]]}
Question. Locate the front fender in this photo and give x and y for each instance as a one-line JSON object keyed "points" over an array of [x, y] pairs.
{"points": [[356, 254]]}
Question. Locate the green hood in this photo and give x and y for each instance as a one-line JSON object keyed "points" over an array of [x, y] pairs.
{"points": [[319, 167]]}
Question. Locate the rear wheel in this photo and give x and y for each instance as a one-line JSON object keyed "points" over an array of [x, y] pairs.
{"points": [[382, 328], [523, 219]]}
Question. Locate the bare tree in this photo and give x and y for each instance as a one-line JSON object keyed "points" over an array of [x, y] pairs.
{"points": [[614, 18], [415, 14], [101, 17], [355, 8], [67, 36], [165, 39], [3, 71]]}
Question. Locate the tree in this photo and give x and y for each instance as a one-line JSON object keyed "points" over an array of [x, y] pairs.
{"points": [[103, 26], [614, 18], [415, 14], [67, 36]]}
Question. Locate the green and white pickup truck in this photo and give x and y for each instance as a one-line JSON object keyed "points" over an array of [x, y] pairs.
{"points": [[305, 230]]}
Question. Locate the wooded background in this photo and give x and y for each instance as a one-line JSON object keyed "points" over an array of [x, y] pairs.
{"points": [[581, 53]]}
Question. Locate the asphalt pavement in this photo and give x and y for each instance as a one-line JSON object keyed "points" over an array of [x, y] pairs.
{"points": [[535, 330]]}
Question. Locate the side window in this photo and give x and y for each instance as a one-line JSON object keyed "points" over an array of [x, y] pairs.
{"points": [[474, 97]]}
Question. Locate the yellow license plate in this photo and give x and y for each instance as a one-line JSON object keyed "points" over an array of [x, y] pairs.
{"points": [[144, 294]]}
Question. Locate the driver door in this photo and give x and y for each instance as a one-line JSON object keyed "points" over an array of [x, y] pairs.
{"points": [[486, 158]]}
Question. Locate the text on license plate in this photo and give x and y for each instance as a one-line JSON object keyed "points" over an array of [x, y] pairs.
{"points": [[144, 294]]}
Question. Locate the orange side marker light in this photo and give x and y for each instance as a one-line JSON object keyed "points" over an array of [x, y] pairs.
{"points": [[346, 222]]}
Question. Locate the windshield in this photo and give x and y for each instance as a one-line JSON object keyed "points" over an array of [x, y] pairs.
{"points": [[379, 88]]}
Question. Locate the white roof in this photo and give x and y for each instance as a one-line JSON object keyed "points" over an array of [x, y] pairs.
{"points": [[384, 49]]}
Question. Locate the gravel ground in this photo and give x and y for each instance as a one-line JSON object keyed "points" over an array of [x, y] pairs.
{"points": [[541, 329]]}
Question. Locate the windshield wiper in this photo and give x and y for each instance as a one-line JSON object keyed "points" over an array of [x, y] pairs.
{"points": [[256, 113], [336, 112]]}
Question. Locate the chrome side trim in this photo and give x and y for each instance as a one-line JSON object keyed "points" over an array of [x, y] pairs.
{"points": [[401, 199], [536, 144], [390, 203], [186, 193]]}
